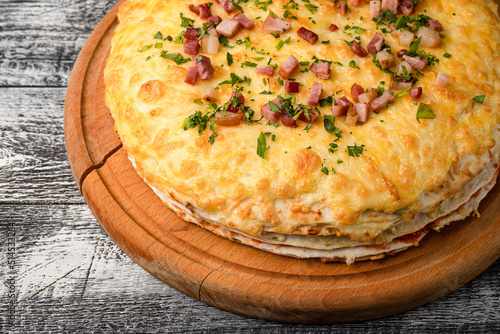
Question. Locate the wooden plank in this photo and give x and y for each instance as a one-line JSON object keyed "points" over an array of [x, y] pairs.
{"points": [[40, 40], [33, 162], [59, 248]]}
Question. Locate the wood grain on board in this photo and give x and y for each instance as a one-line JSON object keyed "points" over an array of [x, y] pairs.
{"points": [[242, 279]]}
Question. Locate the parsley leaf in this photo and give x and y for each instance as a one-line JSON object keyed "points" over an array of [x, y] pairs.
{"points": [[144, 48], [479, 98], [177, 58], [229, 58], [211, 139], [425, 112], [355, 151], [262, 146]]}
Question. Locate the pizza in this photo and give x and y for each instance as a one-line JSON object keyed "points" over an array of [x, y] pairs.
{"points": [[337, 130]]}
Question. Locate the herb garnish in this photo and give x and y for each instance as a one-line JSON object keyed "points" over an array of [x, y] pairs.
{"points": [[262, 146], [425, 112], [479, 98], [355, 151]]}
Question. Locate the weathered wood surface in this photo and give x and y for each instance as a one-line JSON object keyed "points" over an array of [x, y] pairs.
{"points": [[34, 167], [40, 40], [67, 275]]}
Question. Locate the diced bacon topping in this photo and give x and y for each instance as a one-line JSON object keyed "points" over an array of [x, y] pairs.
{"points": [[308, 35], [391, 5], [352, 117], [436, 25], [356, 91], [288, 120], [204, 11], [191, 46], [288, 67], [214, 20], [392, 26], [228, 6], [210, 43], [406, 7], [235, 105], [401, 53], [341, 7], [382, 101], [406, 37], [265, 70], [333, 27], [228, 118], [416, 93], [275, 25], [270, 115], [416, 62], [314, 94], [205, 69], [368, 96], [374, 8], [442, 79], [292, 86], [321, 70], [386, 59], [312, 116], [358, 49], [191, 75], [341, 106], [356, 3], [430, 38], [210, 93], [192, 33], [228, 27], [244, 21], [376, 43], [363, 111], [194, 9]]}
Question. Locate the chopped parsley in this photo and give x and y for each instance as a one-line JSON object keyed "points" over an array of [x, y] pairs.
{"points": [[262, 146], [211, 139], [355, 151], [282, 42], [177, 58], [144, 48], [479, 98], [186, 22], [229, 58], [198, 120], [262, 4], [424, 111]]}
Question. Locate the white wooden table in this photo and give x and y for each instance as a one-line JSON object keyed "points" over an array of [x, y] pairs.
{"points": [[59, 272]]}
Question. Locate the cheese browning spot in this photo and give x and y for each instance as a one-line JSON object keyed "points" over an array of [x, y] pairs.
{"points": [[305, 163], [152, 91]]}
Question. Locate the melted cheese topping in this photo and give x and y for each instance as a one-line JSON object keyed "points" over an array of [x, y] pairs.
{"points": [[228, 184]]}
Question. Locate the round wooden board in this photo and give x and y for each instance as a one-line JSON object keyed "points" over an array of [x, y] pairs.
{"points": [[239, 278]]}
